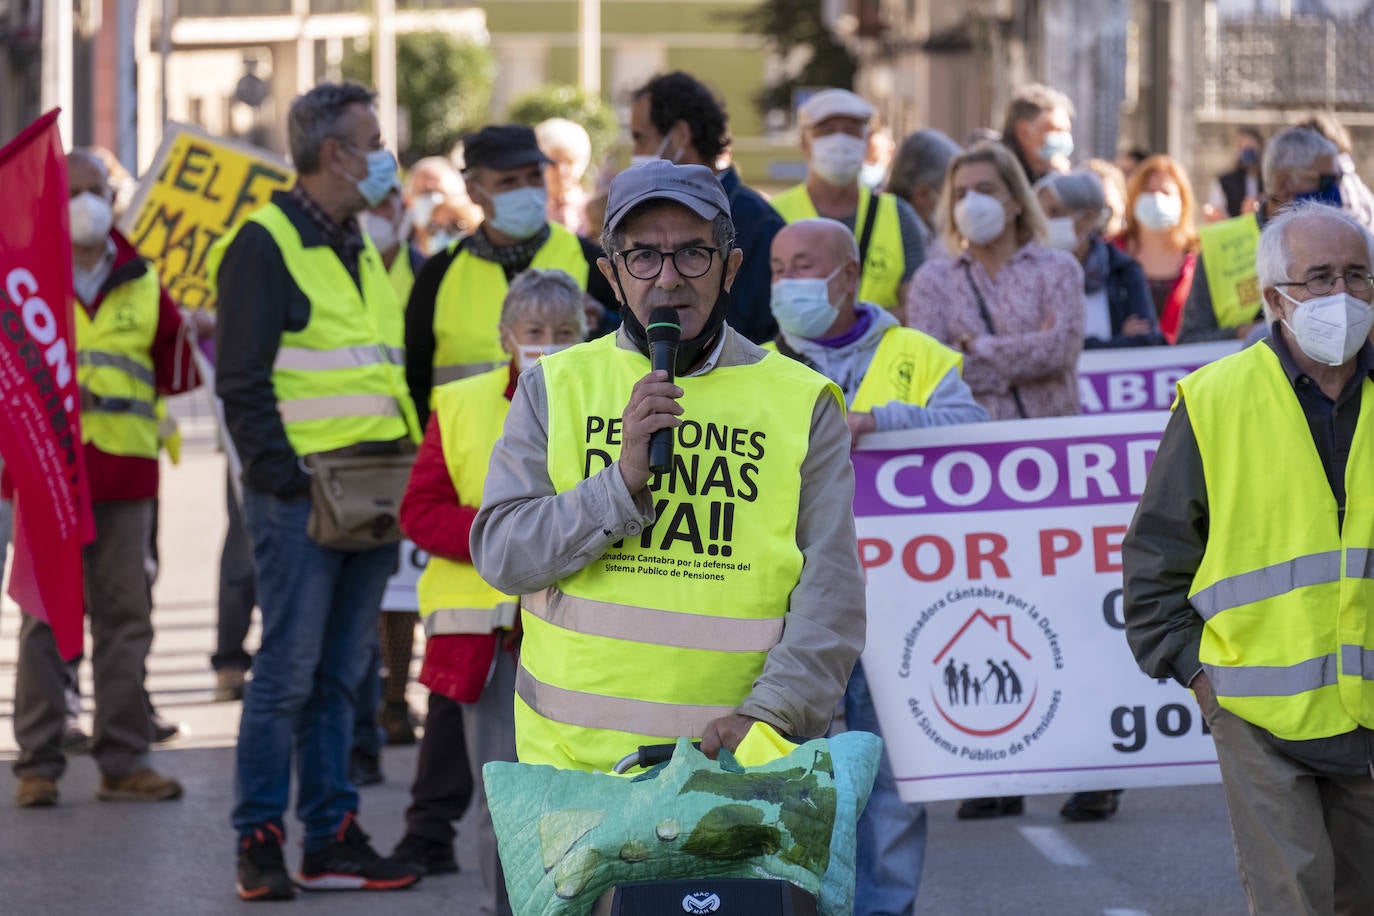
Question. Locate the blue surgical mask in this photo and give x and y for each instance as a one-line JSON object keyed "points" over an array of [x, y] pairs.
{"points": [[1057, 143], [520, 213], [1327, 192], [381, 175], [802, 305]]}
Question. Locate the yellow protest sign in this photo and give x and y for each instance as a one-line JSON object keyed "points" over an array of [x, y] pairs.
{"points": [[1228, 254], [198, 188]]}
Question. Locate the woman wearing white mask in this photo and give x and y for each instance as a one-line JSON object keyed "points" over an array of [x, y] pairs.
{"points": [[1160, 211], [1116, 298], [469, 667], [1013, 305]]}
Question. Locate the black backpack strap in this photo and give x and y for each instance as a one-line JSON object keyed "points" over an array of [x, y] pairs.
{"points": [[866, 233]]}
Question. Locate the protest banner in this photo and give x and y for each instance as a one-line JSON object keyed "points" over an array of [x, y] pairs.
{"points": [[1228, 255], [40, 427], [197, 189], [1141, 378], [995, 652]]}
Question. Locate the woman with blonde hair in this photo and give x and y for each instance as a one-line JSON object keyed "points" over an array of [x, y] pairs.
{"points": [[1009, 302], [1161, 235]]}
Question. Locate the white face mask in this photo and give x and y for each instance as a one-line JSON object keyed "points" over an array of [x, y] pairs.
{"points": [[520, 213], [872, 175], [642, 159], [1158, 210], [90, 218], [980, 218], [1063, 235], [526, 355], [423, 207], [438, 241], [1330, 329], [802, 305], [838, 158], [381, 230]]}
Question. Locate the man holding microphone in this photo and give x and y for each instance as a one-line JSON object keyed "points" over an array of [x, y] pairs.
{"points": [[720, 592]]}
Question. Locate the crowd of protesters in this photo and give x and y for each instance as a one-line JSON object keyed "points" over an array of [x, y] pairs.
{"points": [[370, 314]]}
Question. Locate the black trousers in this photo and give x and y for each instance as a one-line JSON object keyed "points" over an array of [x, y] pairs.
{"points": [[443, 777]]}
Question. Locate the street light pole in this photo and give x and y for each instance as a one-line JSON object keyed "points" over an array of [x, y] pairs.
{"points": [[384, 69], [589, 46], [56, 91]]}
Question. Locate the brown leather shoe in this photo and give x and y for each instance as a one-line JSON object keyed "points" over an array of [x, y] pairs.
{"points": [[140, 786], [35, 792]]}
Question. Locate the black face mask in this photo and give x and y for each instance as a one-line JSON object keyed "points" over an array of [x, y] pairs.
{"points": [[689, 351]]}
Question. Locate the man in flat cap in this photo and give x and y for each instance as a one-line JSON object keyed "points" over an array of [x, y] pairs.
{"points": [[701, 600], [834, 125], [455, 307]]}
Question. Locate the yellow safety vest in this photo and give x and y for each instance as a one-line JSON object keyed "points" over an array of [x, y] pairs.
{"points": [[115, 369], [669, 628], [467, 306], [886, 260], [907, 367], [1284, 589], [341, 379], [402, 275], [453, 597]]}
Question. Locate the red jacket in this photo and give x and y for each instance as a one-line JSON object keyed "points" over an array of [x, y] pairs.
{"points": [[116, 477], [431, 516]]}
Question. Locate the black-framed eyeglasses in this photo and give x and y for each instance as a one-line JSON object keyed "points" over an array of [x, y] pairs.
{"points": [[1356, 281], [646, 263]]}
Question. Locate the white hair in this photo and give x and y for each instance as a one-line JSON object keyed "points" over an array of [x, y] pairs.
{"points": [[560, 133], [1294, 148], [549, 292], [1271, 257]]}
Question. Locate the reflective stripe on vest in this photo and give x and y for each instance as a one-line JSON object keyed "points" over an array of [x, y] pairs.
{"points": [[453, 598], [342, 358], [593, 711], [467, 305], [907, 367], [117, 361], [340, 380], [1284, 587], [1270, 582], [114, 368], [886, 259], [647, 625], [670, 628], [451, 621]]}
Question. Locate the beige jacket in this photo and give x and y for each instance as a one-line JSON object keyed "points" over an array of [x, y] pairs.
{"points": [[526, 538]]}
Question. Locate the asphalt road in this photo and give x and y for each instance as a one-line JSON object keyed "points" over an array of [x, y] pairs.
{"points": [[1167, 851]]}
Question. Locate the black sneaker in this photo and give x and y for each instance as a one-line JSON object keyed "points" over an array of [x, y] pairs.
{"points": [[350, 863], [262, 870], [431, 856]]}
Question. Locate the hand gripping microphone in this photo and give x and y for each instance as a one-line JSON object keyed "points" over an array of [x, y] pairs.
{"points": [[663, 331]]}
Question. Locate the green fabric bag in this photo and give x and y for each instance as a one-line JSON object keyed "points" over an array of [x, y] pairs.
{"points": [[567, 836]]}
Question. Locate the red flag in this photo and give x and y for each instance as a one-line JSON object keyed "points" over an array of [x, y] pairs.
{"points": [[40, 426]]}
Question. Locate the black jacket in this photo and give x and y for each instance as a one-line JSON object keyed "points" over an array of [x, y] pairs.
{"points": [[1128, 293]]}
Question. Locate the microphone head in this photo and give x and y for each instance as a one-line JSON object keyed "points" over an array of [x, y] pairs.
{"points": [[663, 325]]}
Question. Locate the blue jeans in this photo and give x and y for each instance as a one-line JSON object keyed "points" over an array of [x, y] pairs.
{"points": [[891, 835], [319, 624]]}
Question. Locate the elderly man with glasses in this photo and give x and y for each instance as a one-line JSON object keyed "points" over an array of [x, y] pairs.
{"points": [[718, 592], [1256, 591]]}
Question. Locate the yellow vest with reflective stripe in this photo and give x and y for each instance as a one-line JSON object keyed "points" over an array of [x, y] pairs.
{"points": [[402, 275], [340, 380], [115, 369], [467, 307], [470, 412], [886, 260], [670, 627], [1284, 590], [907, 367]]}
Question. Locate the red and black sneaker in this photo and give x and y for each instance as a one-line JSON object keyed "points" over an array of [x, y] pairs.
{"points": [[262, 871], [350, 863]]}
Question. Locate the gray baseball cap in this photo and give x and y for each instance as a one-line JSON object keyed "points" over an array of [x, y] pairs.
{"points": [[693, 186]]}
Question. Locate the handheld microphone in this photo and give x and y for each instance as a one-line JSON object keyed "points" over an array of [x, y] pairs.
{"points": [[663, 331]]}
